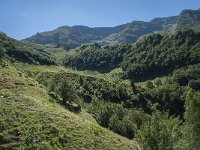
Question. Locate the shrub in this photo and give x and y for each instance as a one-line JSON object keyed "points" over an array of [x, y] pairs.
{"points": [[194, 84], [158, 132], [192, 115]]}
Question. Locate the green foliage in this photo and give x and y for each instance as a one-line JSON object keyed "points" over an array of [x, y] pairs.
{"points": [[153, 55], [48, 50], [29, 120], [192, 114], [15, 49], [157, 54], [124, 108], [88, 87], [149, 84], [32, 138], [194, 84], [63, 87], [184, 75], [168, 97], [67, 91], [95, 57], [60, 86], [117, 118], [2, 53], [32, 118], [159, 131], [96, 130]]}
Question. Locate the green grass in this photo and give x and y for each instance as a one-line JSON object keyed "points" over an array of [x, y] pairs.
{"points": [[35, 71], [30, 120]]}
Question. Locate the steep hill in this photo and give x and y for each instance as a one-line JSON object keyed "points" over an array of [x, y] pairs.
{"points": [[188, 19], [20, 51], [31, 119], [131, 33]]}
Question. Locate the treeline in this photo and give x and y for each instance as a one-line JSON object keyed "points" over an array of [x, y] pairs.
{"points": [[95, 57], [153, 55], [18, 51]]}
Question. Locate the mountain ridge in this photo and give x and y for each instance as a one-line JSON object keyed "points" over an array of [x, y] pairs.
{"points": [[75, 36]]}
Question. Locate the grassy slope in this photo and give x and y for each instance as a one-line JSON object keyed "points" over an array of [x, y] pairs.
{"points": [[35, 70], [29, 119], [58, 53]]}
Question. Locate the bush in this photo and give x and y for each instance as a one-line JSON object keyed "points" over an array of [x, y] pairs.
{"points": [[73, 107], [159, 132], [194, 84], [117, 118], [2, 52], [192, 115]]}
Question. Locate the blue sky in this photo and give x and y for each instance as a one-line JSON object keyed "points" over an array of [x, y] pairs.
{"points": [[23, 18]]}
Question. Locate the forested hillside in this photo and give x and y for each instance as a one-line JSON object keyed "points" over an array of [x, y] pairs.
{"points": [[17, 50], [95, 57], [153, 55], [157, 54]]}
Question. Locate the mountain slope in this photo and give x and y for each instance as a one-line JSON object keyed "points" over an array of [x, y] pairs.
{"points": [[30, 119], [71, 37], [159, 54], [131, 33], [166, 23], [24, 53], [189, 19]]}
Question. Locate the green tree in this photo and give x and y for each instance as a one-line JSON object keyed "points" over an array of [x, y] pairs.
{"points": [[192, 116], [159, 132], [67, 91], [149, 84], [2, 53], [194, 84]]}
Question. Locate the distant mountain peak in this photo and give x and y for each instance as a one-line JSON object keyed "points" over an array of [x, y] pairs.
{"points": [[64, 27], [78, 35]]}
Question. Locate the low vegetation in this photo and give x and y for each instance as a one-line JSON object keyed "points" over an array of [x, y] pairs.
{"points": [[136, 111], [31, 119]]}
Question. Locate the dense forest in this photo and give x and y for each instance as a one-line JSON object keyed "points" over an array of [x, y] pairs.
{"points": [[151, 56]]}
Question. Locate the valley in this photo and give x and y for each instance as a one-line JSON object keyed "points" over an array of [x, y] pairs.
{"points": [[131, 87]]}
